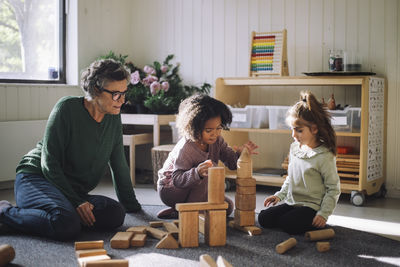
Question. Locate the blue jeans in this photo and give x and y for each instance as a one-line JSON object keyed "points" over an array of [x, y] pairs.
{"points": [[43, 210]]}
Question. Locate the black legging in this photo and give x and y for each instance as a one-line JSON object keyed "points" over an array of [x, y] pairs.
{"points": [[292, 219]]}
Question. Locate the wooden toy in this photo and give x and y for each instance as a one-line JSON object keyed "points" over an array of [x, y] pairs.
{"points": [[268, 54], [323, 246], [171, 228], [216, 185], [221, 262], [7, 254], [319, 234], [188, 228], [121, 240], [245, 202], [89, 244], [85, 260], [138, 240], [137, 229], [156, 233], [156, 224], [286, 245], [251, 230], [202, 221], [198, 206], [246, 182], [244, 165], [245, 190], [90, 252], [215, 228], [108, 263], [244, 217], [168, 242], [207, 261]]}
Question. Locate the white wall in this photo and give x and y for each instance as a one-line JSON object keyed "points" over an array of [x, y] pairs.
{"points": [[210, 38]]}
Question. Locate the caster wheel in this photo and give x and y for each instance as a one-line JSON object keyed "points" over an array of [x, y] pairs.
{"points": [[382, 191], [228, 185], [357, 198]]}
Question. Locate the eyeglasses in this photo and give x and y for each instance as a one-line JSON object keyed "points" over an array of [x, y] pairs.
{"points": [[115, 95]]}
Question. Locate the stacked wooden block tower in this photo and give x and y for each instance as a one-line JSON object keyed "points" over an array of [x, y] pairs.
{"points": [[214, 214], [245, 198]]}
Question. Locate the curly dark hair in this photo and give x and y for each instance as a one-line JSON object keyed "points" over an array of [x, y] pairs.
{"points": [[100, 73], [194, 111], [310, 111]]}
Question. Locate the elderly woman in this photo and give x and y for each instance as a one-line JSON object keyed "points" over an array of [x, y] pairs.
{"points": [[83, 138]]}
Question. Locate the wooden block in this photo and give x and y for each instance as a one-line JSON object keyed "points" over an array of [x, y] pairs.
{"points": [[319, 234], [138, 240], [7, 254], [108, 263], [121, 240], [90, 252], [156, 224], [216, 185], [168, 242], [89, 244], [85, 260], [244, 217], [246, 181], [202, 221], [189, 228], [156, 233], [246, 190], [171, 229], [176, 222], [286, 245], [137, 229], [215, 228], [207, 261], [323, 246], [197, 206], [221, 262], [244, 170], [245, 202], [251, 230]]}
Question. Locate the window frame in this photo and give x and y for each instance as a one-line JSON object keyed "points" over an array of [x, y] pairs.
{"points": [[62, 53]]}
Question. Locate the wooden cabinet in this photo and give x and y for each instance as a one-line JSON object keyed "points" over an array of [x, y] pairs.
{"points": [[366, 92]]}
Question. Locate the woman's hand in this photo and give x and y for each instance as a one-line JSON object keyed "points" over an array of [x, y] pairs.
{"points": [[319, 221], [250, 147], [202, 169], [85, 212], [271, 201]]}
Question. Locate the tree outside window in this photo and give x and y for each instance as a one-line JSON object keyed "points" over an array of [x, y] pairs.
{"points": [[31, 43]]}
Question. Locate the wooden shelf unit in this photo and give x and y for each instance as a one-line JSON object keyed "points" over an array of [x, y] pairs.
{"points": [[371, 139]]}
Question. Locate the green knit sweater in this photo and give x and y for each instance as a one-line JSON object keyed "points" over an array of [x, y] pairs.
{"points": [[76, 151]]}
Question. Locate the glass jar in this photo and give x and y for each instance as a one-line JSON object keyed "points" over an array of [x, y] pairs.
{"points": [[335, 60]]}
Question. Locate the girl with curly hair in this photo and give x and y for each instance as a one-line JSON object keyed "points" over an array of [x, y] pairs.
{"points": [[183, 177]]}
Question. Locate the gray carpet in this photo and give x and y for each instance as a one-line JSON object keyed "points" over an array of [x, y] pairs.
{"points": [[348, 248]]}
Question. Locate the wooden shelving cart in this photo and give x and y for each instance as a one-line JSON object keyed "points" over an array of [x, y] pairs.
{"points": [[369, 143]]}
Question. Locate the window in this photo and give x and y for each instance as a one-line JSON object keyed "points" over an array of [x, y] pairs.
{"points": [[32, 46]]}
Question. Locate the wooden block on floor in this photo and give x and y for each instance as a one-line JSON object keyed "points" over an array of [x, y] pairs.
{"points": [[246, 181], [156, 233], [323, 246], [121, 240], [90, 252], [137, 229], [108, 263], [221, 262], [138, 240], [85, 260], [189, 228], [244, 217], [202, 221], [245, 202], [246, 190], [207, 261], [251, 230], [89, 244], [197, 206], [171, 229], [156, 224], [215, 228], [168, 242]]}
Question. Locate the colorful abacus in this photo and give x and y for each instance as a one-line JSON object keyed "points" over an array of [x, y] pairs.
{"points": [[268, 54]]}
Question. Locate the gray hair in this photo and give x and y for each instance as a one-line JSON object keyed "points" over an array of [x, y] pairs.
{"points": [[99, 74]]}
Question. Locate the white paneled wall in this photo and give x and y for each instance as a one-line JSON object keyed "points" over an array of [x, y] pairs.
{"points": [[210, 38]]}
